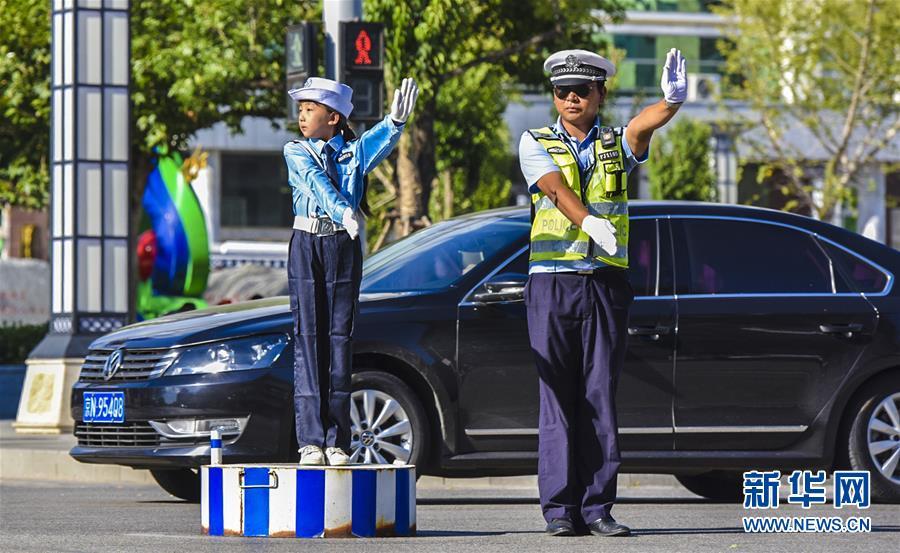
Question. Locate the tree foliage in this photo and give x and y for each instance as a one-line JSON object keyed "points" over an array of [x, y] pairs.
{"points": [[822, 78], [679, 167], [193, 64], [24, 103], [467, 58]]}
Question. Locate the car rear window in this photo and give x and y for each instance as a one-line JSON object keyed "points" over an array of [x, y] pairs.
{"points": [[862, 275], [436, 257]]}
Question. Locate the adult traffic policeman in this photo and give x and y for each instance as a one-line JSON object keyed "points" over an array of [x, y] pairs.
{"points": [[578, 296]]}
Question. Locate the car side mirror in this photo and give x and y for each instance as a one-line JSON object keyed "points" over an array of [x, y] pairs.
{"points": [[504, 287]]}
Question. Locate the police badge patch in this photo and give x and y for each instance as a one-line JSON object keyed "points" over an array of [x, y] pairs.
{"points": [[556, 150], [608, 155]]}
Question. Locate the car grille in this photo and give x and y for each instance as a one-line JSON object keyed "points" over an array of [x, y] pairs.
{"points": [[137, 364], [138, 434]]}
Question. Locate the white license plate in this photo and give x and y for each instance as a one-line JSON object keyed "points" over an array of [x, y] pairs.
{"points": [[104, 407]]}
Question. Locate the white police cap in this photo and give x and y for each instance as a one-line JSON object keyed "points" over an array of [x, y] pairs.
{"points": [[578, 66], [329, 93]]}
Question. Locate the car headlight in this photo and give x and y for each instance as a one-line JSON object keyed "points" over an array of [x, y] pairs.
{"points": [[256, 352]]}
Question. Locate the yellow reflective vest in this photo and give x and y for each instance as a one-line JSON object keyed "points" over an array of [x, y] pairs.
{"points": [[603, 190]]}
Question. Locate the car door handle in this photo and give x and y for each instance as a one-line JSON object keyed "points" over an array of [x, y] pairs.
{"points": [[652, 332], [845, 330]]}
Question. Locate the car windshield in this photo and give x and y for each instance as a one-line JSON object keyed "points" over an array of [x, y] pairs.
{"points": [[439, 255]]}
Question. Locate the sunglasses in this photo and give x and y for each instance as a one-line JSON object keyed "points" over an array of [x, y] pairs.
{"points": [[582, 90]]}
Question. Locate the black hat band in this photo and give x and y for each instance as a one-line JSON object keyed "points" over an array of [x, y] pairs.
{"points": [[580, 70]]}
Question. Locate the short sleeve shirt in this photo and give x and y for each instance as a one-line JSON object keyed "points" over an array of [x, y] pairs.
{"points": [[536, 162]]}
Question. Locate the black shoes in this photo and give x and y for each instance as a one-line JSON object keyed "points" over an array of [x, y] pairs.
{"points": [[608, 527], [600, 527], [560, 527]]}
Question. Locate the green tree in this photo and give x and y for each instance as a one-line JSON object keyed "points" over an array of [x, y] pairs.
{"points": [[467, 58], [193, 64], [679, 166], [24, 103], [820, 76]]}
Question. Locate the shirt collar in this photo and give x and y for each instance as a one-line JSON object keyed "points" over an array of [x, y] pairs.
{"points": [[337, 143], [591, 135]]}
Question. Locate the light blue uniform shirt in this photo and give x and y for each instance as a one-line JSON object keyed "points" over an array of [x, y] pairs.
{"points": [[313, 193], [536, 162]]}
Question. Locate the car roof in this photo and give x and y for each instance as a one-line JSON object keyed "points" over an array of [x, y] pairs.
{"points": [[675, 207], [875, 251]]}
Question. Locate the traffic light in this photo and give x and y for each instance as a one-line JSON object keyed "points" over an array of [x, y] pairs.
{"points": [[362, 44], [301, 59]]}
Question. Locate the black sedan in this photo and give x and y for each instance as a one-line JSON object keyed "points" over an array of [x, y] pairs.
{"points": [[758, 340]]}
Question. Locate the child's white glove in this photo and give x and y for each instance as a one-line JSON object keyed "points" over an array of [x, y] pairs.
{"points": [[404, 100], [348, 220]]}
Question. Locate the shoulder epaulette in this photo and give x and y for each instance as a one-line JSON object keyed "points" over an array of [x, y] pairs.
{"points": [[544, 133]]}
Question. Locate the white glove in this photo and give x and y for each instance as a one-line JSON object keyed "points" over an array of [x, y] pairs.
{"points": [[348, 219], [674, 78], [602, 232], [404, 100]]}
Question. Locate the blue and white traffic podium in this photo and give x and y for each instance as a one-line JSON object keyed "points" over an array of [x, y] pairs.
{"points": [[288, 500]]}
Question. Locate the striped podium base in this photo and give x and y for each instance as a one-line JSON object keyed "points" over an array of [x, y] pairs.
{"points": [[288, 501]]}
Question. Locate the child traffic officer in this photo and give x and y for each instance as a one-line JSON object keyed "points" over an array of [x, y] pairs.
{"points": [[326, 173], [578, 296]]}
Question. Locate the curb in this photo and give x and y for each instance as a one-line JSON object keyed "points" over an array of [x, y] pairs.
{"points": [[46, 458]]}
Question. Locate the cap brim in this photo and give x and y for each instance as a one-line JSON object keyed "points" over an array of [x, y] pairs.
{"points": [[301, 94]]}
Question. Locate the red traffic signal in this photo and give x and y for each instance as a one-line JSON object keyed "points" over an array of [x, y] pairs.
{"points": [[363, 44]]}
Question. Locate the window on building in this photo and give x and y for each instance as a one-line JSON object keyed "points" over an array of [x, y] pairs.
{"points": [[711, 60], [684, 6], [638, 71], [255, 191]]}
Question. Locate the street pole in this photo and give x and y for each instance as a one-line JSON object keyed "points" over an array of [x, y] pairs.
{"points": [[90, 109], [333, 12]]}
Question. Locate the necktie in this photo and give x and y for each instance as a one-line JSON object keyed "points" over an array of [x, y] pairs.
{"points": [[331, 166]]}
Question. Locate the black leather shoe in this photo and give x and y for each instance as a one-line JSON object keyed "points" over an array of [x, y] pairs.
{"points": [[608, 527], [560, 527]]}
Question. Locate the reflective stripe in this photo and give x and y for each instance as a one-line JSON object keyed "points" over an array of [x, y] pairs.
{"points": [[544, 203], [568, 246], [608, 208], [574, 246], [598, 208]]}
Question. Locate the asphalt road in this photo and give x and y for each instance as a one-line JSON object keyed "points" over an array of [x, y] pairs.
{"points": [[60, 517]]}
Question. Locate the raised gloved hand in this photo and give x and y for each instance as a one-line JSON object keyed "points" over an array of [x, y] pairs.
{"points": [[404, 101], [348, 219], [674, 78], [602, 232]]}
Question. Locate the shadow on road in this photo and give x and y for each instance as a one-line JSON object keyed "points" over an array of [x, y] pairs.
{"points": [[534, 501], [685, 531], [464, 533]]}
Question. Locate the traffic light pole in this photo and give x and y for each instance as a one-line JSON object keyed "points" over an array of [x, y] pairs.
{"points": [[333, 12]]}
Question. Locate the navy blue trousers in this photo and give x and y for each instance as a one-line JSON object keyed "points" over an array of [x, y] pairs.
{"points": [[324, 273], [578, 330]]}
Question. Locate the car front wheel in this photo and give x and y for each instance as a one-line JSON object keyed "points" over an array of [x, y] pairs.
{"points": [[874, 440], [387, 421], [182, 483]]}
